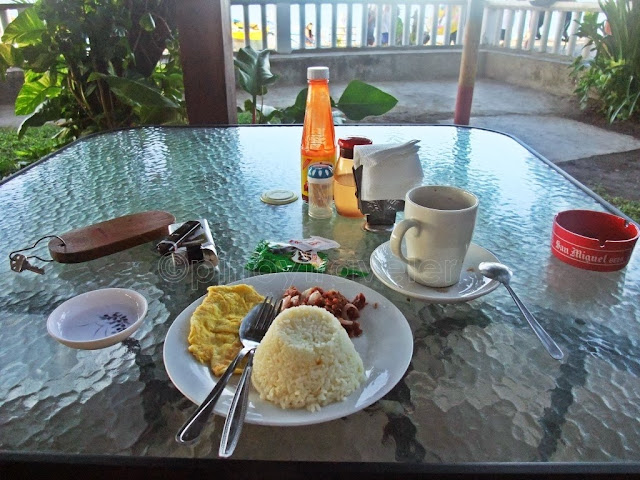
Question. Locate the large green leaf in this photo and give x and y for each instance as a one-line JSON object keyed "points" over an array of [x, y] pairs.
{"points": [[360, 100], [26, 29], [295, 113], [47, 111], [135, 93], [147, 22], [254, 70], [9, 55], [34, 92]]}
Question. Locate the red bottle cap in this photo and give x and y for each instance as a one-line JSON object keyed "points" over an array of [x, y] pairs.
{"points": [[351, 142], [346, 145]]}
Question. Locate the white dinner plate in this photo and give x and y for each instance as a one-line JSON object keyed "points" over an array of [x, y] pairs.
{"points": [[391, 271], [385, 346]]}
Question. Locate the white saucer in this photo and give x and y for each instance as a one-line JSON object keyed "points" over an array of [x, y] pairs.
{"points": [[393, 273], [97, 319]]}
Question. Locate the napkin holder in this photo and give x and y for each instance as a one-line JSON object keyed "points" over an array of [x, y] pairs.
{"points": [[380, 214]]}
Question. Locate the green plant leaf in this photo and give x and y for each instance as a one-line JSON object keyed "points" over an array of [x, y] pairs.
{"points": [[34, 93], [9, 55], [254, 70], [47, 111], [135, 93], [26, 29], [360, 100], [147, 22], [295, 113]]}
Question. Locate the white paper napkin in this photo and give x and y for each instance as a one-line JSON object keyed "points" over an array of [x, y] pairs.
{"points": [[389, 170]]}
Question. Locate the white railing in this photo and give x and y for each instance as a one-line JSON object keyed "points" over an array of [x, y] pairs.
{"points": [[310, 25], [517, 25], [302, 25], [288, 26]]}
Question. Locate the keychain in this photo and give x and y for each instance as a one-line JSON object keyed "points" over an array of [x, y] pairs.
{"points": [[97, 240], [20, 262]]}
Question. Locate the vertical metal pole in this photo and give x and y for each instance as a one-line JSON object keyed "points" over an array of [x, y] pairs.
{"points": [[469, 63]]}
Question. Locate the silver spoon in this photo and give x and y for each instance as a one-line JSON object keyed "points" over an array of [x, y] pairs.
{"points": [[502, 273]]}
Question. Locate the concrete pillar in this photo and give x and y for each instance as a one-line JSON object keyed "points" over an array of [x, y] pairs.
{"points": [[469, 63], [206, 53]]}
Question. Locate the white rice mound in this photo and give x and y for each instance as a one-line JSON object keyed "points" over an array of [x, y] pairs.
{"points": [[306, 359]]}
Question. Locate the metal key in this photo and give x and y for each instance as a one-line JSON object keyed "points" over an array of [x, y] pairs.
{"points": [[19, 263]]}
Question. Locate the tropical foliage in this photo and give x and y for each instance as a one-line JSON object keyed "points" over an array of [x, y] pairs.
{"points": [[359, 99], [93, 65], [612, 77]]}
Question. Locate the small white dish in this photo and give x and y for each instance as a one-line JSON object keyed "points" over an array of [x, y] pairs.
{"points": [[97, 319], [393, 273]]}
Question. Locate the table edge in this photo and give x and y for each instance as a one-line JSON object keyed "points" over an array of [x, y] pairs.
{"points": [[54, 465]]}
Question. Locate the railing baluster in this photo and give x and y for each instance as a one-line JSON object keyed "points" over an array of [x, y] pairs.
{"points": [[446, 34], [406, 29], [521, 26], [508, 28], [349, 33], [394, 24], [498, 26], [544, 35], [302, 14], [245, 24], [263, 23], [435, 10], [533, 28], [461, 26], [378, 25], [558, 30], [490, 26], [283, 28], [334, 25], [364, 15], [319, 25], [576, 18]]}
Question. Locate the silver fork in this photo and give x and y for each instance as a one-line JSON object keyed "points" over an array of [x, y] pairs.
{"points": [[192, 428], [250, 338]]}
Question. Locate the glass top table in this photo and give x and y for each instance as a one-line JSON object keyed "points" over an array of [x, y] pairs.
{"points": [[480, 388]]}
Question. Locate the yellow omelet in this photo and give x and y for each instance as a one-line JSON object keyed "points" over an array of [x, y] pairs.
{"points": [[213, 334]]}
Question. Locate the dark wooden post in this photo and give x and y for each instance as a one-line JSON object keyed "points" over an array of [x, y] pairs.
{"points": [[206, 53], [469, 63]]}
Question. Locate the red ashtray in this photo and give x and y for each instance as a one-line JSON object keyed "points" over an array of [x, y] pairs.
{"points": [[593, 240]]}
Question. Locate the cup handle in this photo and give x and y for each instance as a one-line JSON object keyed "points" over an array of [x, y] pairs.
{"points": [[396, 238]]}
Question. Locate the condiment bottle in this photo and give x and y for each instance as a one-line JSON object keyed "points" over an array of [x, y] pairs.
{"points": [[344, 183], [320, 178], [318, 134]]}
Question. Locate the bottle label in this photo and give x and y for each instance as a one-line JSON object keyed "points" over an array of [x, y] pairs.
{"points": [[305, 162]]}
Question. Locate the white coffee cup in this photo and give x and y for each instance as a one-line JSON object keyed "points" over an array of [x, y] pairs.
{"points": [[437, 228]]}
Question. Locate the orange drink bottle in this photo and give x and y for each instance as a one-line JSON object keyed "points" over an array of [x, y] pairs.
{"points": [[318, 134]]}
